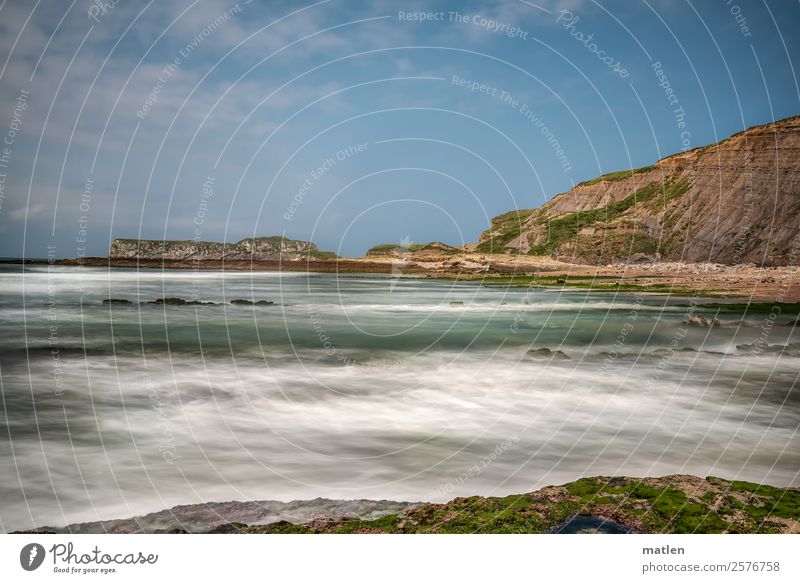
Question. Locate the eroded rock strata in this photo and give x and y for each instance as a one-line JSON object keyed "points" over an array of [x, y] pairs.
{"points": [[736, 201]]}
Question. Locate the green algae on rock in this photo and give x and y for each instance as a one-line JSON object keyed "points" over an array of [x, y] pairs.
{"points": [[670, 504]]}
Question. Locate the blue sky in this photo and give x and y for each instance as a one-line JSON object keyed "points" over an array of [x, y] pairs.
{"points": [[357, 123]]}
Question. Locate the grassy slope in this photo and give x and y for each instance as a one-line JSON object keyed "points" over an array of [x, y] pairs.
{"points": [[563, 233], [679, 504], [615, 176], [508, 226], [385, 247]]}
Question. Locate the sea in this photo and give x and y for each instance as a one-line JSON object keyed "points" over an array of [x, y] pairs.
{"points": [[354, 386]]}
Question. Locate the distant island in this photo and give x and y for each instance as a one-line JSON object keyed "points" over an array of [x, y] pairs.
{"points": [[253, 249]]}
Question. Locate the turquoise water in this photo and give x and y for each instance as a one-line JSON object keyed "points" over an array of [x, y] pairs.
{"points": [[356, 386]]}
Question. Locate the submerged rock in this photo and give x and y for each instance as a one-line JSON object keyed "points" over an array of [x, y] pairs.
{"points": [[701, 322], [456, 303], [242, 302], [116, 301], [179, 302], [547, 353]]}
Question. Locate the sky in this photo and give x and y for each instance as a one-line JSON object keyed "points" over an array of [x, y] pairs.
{"points": [[353, 123]]}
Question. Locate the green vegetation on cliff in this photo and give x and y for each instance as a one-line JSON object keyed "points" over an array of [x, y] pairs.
{"points": [[618, 231], [653, 196], [504, 229], [389, 247], [672, 504], [615, 176]]}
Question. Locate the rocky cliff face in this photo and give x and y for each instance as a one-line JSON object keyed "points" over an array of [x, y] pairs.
{"points": [[255, 249], [737, 201]]}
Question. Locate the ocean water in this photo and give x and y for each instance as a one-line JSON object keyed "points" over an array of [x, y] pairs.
{"points": [[356, 386]]}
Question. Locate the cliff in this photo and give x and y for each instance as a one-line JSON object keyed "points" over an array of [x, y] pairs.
{"points": [[255, 249], [736, 201]]}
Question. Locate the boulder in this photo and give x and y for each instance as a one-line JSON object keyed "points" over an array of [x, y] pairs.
{"points": [[697, 320]]}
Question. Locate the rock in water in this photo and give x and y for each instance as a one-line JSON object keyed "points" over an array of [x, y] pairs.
{"points": [[697, 320], [242, 302], [547, 353], [179, 302]]}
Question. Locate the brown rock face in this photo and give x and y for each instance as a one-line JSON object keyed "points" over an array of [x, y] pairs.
{"points": [[737, 201]]}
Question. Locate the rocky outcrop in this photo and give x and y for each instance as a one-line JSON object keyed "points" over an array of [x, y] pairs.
{"points": [[204, 517], [669, 504], [391, 250], [734, 202], [255, 249], [242, 302], [179, 302]]}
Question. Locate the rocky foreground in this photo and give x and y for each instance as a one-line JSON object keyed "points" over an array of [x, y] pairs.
{"points": [[670, 504]]}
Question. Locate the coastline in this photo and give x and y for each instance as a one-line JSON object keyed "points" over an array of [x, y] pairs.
{"points": [[777, 285], [601, 504]]}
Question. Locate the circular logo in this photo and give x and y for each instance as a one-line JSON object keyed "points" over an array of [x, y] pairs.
{"points": [[31, 556]]}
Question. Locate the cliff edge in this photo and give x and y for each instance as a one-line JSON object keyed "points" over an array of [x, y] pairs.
{"points": [[736, 201]]}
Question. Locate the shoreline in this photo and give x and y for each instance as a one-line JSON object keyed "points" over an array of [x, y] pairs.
{"points": [[746, 282], [677, 503]]}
